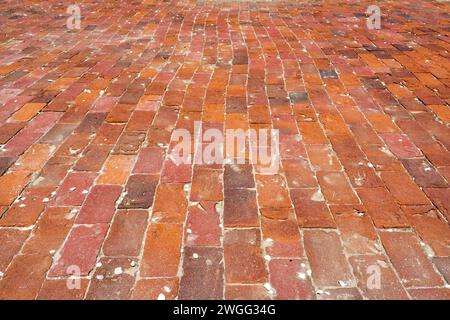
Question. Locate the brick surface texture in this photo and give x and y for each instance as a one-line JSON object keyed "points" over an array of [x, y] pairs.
{"points": [[358, 209]]}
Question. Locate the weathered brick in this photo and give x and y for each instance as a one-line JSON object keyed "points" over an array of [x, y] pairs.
{"points": [[93, 158], [170, 203], [126, 233], [243, 258], [246, 292], [381, 207], [57, 289], [413, 266], [282, 237], [311, 209], [291, 280], [356, 229], [272, 191], [162, 251], [24, 277], [203, 225], [299, 174], [12, 241], [336, 188], [240, 209], [376, 278], [12, 184], [113, 280], [139, 192], [149, 161], [202, 274], [207, 185], [116, 169], [80, 249], [322, 247], [238, 176], [401, 146], [156, 288], [100, 205], [72, 190], [50, 232], [404, 190]]}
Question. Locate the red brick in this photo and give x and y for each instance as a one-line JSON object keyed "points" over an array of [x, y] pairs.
{"points": [[443, 266], [246, 292], [80, 249], [340, 294], [312, 133], [282, 237], [336, 188], [202, 274], [113, 280], [156, 288], [381, 158], [311, 208], [149, 161], [238, 176], [126, 233], [434, 231], [366, 269], [207, 185], [401, 146], [93, 158], [12, 241], [70, 193], [291, 280], [74, 145], [117, 169], [357, 231], [129, 143], [26, 211], [240, 209], [170, 203], [243, 258], [100, 205], [108, 133], [203, 225], [162, 251], [299, 174], [173, 173], [436, 154], [272, 191], [140, 121], [441, 199], [120, 113], [5, 163], [404, 190], [8, 130], [430, 293], [361, 175], [381, 207], [57, 289], [24, 277], [321, 248], [323, 158], [12, 184], [50, 232], [424, 174], [412, 265], [139, 192]]}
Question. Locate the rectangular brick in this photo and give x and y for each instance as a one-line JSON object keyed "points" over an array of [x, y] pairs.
{"points": [[243, 258], [321, 248], [162, 251]]}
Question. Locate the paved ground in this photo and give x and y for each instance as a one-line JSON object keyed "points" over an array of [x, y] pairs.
{"points": [[359, 208]]}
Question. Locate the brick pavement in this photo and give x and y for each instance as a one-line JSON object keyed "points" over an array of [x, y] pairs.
{"points": [[86, 123]]}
